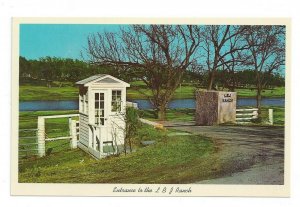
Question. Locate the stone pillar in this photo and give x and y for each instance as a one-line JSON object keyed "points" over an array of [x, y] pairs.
{"points": [[73, 133], [271, 116], [41, 136], [215, 107]]}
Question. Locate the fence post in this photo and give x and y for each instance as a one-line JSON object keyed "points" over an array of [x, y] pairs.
{"points": [[271, 116], [41, 136], [73, 133]]}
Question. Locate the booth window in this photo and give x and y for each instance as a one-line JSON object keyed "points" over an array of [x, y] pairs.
{"points": [[116, 101], [81, 104]]}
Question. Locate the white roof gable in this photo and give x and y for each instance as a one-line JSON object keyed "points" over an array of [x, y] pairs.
{"points": [[102, 79]]}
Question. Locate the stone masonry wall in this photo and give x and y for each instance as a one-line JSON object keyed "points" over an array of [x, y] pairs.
{"points": [[215, 107], [206, 108]]}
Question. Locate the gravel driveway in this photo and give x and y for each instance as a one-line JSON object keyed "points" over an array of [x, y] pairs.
{"points": [[260, 148]]}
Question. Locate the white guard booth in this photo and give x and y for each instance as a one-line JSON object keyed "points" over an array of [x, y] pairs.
{"points": [[102, 105]]}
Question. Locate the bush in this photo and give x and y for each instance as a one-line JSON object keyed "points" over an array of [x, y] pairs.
{"points": [[132, 124]]}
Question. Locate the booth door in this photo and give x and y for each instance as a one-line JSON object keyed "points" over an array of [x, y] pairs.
{"points": [[100, 118], [100, 108]]}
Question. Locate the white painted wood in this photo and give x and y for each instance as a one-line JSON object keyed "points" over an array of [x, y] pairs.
{"points": [[73, 142], [59, 116], [152, 123], [132, 104], [252, 109], [244, 118], [58, 138], [41, 136], [84, 129], [110, 85], [271, 122], [255, 115], [91, 133], [243, 115]]}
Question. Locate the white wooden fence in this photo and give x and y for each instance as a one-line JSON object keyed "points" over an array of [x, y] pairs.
{"points": [[244, 116], [132, 104], [42, 136], [28, 142]]}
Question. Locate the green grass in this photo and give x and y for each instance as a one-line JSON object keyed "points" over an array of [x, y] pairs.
{"points": [[168, 162], [275, 93], [136, 91], [172, 159], [41, 93], [54, 128], [278, 114], [171, 115]]}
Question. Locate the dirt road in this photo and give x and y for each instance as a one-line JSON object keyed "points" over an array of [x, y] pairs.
{"points": [[259, 148]]}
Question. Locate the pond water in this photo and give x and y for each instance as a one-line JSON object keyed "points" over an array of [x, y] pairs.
{"points": [[143, 104]]}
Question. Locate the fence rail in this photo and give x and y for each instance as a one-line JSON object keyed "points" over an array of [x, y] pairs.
{"points": [[28, 144], [39, 137], [245, 116]]}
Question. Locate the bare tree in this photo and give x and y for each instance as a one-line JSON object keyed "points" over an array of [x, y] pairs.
{"points": [[129, 130], [221, 45], [158, 54], [234, 60], [266, 54]]}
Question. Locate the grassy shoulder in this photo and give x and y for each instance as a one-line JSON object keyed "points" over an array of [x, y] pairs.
{"points": [[189, 114], [172, 159], [136, 91]]}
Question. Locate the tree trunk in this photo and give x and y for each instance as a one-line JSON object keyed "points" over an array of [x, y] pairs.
{"points": [[233, 82], [130, 145], [210, 80], [161, 113], [258, 100]]}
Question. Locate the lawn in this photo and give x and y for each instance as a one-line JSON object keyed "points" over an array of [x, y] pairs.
{"points": [[172, 159], [137, 91], [54, 128], [42, 93]]}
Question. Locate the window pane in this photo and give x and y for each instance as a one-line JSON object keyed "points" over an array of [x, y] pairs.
{"points": [[96, 96], [102, 121], [116, 100], [113, 106], [102, 105], [101, 96], [96, 105]]}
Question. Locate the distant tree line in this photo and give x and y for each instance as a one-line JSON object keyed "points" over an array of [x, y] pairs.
{"points": [[223, 79], [49, 69]]}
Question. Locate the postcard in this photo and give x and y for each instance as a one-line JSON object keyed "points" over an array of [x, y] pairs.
{"points": [[151, 107]]}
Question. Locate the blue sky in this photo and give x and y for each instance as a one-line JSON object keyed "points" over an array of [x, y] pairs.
{"points": [[57, 40]]}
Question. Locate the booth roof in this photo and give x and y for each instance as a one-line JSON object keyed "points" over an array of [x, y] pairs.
{"points": [[90, 79]]}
